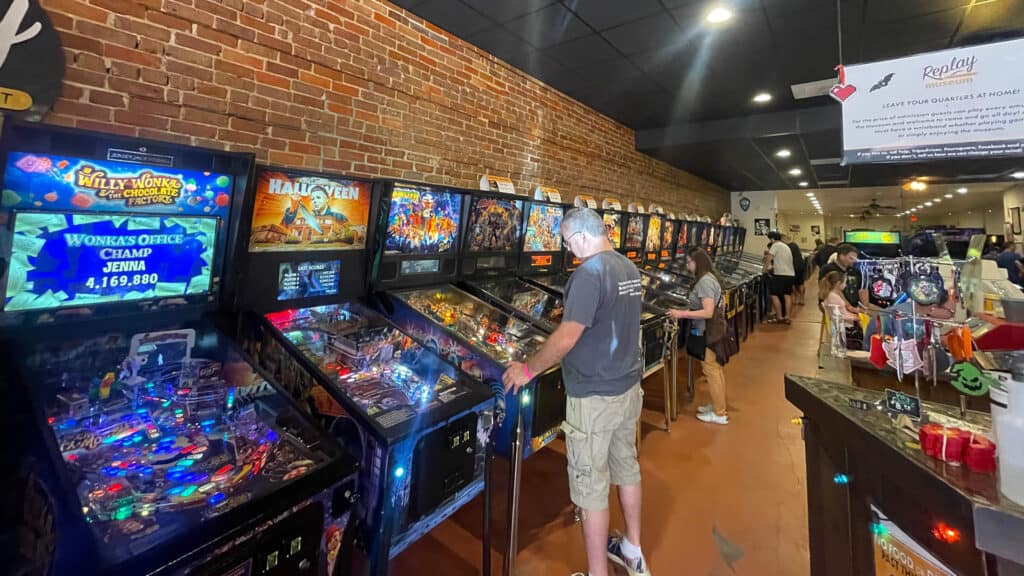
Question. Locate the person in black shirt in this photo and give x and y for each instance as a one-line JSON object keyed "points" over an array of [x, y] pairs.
{"points": [[846, 260], [824, 253], [800, 268]]}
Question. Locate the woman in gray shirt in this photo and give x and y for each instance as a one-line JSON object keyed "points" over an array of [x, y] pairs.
{"points": [[705, 295]]}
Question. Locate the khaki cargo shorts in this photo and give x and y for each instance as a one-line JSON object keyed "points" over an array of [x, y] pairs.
{"points": [[600, 438]]}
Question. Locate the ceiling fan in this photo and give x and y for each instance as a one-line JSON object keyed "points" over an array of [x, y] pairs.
{"points": [[876, 209]]}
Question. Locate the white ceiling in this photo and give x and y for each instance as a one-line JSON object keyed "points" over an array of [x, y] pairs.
{"points": [[844, 201]]}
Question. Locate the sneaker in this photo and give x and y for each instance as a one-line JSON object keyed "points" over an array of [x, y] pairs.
{"points": [[705, 409], [633, 566], [712, 418]]}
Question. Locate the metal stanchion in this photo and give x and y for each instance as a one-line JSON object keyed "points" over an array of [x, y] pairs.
{"points": [[674, 361], [689, 375], [514, 476]]}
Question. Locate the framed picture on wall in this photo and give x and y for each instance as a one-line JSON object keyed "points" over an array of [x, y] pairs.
{"points": [[762, 226], [815, 229], [1015, 220]]}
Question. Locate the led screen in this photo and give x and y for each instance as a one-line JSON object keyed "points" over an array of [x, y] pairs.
{"points": [[613, 224], [422, 220], [543, 229], [494, 225], [47, 182], [872, 237], [307, 279], [296, 212], [61, 260]]}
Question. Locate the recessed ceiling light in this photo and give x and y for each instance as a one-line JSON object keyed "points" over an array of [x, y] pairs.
{"points": [[949, 213], [783, 152], [937, 200], [796, 171], [961, 190], [761, 98], [917, 185], [989, 209], [1018, 175], [913, 209], [718, 14], [809, 194], [949, 195], [927, 203], [803, 184]]}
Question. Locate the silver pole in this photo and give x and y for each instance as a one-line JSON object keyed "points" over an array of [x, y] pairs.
{"points": [[515, 474]]}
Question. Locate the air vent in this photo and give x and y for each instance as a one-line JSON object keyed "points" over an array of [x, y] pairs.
{"points": [[812, 89]]}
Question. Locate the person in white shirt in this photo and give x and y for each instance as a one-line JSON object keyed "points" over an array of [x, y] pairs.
{"points": [[783, 275]]}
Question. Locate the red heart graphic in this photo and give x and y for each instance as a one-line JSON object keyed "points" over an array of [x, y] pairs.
{"points": [[842, 92]]}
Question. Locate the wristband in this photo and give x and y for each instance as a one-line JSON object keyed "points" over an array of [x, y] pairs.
{"points": [[526, 371]]}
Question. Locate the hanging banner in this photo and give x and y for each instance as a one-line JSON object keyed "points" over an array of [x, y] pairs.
{"points": [[958, 103]]}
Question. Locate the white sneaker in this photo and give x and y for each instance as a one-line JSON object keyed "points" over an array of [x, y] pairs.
{"points": [[712, 418], [705, 409]]}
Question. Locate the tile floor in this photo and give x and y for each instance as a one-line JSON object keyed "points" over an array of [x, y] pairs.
{"points": [[707, 489]]}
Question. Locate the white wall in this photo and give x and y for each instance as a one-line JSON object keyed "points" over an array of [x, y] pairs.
{"points": [[1012, 198], [804, 237], [762, 205]]}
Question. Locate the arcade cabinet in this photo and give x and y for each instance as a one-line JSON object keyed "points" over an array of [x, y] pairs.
{"points": [[150, 444], [668, 241], [418, 252], [420, 426]]}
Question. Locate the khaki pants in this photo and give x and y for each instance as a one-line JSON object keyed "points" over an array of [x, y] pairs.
{"points": [[715, 374], [600, 439]]}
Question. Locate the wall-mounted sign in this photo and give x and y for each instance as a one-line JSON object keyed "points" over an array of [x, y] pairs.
{"points": [[871, 237], [611, 204], [897, 554], [584, 201], [31, 60], [494, 183], [898, 402], [547, 193], [959, 103], [636, 207], [744, 203]]}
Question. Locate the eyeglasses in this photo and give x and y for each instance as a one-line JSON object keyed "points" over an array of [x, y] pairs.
{"points": [[570, 237]]}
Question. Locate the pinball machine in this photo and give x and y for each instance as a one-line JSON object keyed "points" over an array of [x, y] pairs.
{"points": [[420, 426], [669, 237], [149, 443], [653, 239]]}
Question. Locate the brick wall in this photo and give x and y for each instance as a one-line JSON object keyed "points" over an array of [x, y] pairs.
{"points": [[360, 87]]}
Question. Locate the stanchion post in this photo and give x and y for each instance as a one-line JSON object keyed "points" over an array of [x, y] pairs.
{"points": [[514, 474]]}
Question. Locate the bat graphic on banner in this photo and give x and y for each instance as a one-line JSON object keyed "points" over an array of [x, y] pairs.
{"points": [[882, 83]]}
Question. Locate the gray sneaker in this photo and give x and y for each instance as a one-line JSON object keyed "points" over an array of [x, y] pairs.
{"points": [[634, 566], [705, 409]]}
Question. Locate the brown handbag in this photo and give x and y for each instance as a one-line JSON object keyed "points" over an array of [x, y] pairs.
{"points": [[716, 327]]}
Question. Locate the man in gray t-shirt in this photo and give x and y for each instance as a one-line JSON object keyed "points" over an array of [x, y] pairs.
{"points": [[598, 344]]}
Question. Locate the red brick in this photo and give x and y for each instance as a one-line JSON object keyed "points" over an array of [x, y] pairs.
{"points": [[62, 23], [140, 120], [105, 33], [205, 103], [81, 109], [247, 112], [76, 8], [310, 78], [152, 46], [189, 56], [154, 108], [236, 69], [242, 59], [204, 117], [243, 125], [157, 77], [124, 70], [211, 90], [265, 52], [187, 40], [215, 8], [141, 28], [77, 42], [136, 88], [262, 78], [218, 37], [196, 72], [122, 7], [346, 89], [85, 77], [188, 13], [71, 92], [234, 29], [255, 24], [253, 9], [247, 138], [280, 70], [303, 148], [285, 158], [289, 60], [106, 98], [273, 43], [385, 20], [91, 62], [133, 56], [193, 129]]}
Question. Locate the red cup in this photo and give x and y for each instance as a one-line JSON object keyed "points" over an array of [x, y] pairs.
{"points": [[980, 455]]}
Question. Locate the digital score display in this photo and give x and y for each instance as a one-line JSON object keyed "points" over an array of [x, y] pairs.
{"points": [[872, 237], [540, 260], [307, 279], [62, 260], [420, 267]]}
